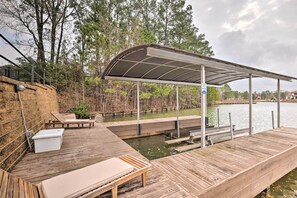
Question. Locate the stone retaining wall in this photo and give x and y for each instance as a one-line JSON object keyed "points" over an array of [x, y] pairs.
{"points": [[38, 101]]}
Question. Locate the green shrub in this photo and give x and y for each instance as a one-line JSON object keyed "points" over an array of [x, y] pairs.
{"points": [[82, 111]]}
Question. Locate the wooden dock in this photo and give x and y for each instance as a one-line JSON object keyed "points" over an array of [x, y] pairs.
{"points": [[230, 102], [239, 168], [128, 129], [81, 147]]}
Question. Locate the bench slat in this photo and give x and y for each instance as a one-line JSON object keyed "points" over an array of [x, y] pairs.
{"points": [[4, 184]]}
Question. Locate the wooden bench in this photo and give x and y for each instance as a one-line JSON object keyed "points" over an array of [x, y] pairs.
{"points": [[69, 119], [12, 186]]}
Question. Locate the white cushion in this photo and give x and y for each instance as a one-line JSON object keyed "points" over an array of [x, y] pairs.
{"points": [[85, 179]]}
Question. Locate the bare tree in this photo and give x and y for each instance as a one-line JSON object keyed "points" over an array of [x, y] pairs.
{"points": [[43, 21]]}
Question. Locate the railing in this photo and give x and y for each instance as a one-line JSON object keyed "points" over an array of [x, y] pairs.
{"points": [[33, 74]]}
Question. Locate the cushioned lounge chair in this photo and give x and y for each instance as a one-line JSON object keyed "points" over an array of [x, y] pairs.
{"points": [[90, 181], [67, 119]]}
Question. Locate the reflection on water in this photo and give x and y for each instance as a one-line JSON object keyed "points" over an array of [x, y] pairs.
{"points": [[286, 186], [154, 147]]}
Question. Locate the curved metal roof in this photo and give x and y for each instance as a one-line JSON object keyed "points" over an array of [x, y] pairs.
{"points": [[156, 63]]}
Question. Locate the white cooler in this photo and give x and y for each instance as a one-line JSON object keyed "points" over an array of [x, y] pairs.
{"points": [[48, 140]]}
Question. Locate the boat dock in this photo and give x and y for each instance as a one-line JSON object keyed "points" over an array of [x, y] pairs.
{"points": [[129, 129], [237, 168], [81, 147]]}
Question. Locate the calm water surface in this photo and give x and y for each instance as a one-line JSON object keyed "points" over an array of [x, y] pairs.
{"points": [[154, 147]]}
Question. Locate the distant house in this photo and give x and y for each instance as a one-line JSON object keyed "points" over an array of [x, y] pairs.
{"points": [[292, 95], [273, 99], [258, 97]]}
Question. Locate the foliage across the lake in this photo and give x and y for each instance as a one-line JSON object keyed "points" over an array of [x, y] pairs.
{"points": [[228, 93], [74, 40]]}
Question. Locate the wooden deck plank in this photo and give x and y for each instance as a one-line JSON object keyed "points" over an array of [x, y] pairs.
{"points": [[80, 148], [238, 168], [239, 155]]}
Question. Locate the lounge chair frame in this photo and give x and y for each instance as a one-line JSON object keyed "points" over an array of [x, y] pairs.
{"points": [[140, 169], [61, 120], [12, 186]]}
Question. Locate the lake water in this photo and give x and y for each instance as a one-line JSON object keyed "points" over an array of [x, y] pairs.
{"points": [[154, 147], [262, 118]]}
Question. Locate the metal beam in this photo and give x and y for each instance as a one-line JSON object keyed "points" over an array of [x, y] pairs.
{"points": [[138, 109], [278, 103], [212, 63], [227, 81], [174, 70], [177, 112], [153, 81], [220, 79], [203, 107], [250, 105], [211, 78], [154, 69], [157, 64], [135, 64]]}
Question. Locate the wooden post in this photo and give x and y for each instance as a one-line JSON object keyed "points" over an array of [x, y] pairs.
{"points": [[144, 176], [114, 192]]}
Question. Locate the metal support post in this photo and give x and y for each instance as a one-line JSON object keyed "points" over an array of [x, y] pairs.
{"points": [[138, 109], [272, 113], [231, 126], [218, 115], [177, 112], [203, 106], [278, 103], [250, 105]]}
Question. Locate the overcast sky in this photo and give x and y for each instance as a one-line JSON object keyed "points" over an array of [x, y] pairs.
{"points": [[260, 34]]}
